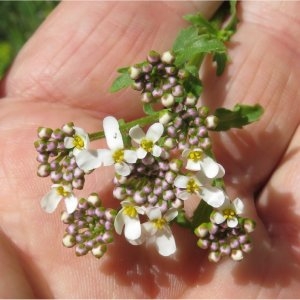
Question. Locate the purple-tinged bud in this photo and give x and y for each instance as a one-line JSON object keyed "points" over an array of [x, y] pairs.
{"points": [[147, 189], [175, 164], [149, 86], [167, 87], [171, 131], [107, 237], [147, 97], [157, 93], [170, 70], [160, 67], [182, 74], [172, 80], [243, 238], [169, 143], [249, 225], [78, 173], [214, 246], [191, 131], [153, 57], [44, 133], [203, 111], [134, 72], [139, 197], [82, 204], [100, 212], [170, 177], [68, 176], [68, 129], [110, 214], [58, 135], [190, 100], [203, 243], [214, 256], [205, 143], [78, 183], [119, 193], [247, 247], [234, 243], [192, 112], [202, 131], [61, 146], [237, 254], [147, 68], [89, 244], [168, 195], [213, 228], [168, 57], [108, 225], [40, 146], [68, 240], [225, 249], [72, 229], [177, 91], [162, 205], [152, 199], [193, 140], [179, 108], [177, 122], [43, 170], [81, 250], [148, 160], [157, 190], [56, 176], [138, 85], [198, 121], [42, 157], [163, 166]]}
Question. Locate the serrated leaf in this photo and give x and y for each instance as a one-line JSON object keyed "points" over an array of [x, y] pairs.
{"points": [[240, 116], [202, 23], [185, 37], [121, 82], [201, 214]]}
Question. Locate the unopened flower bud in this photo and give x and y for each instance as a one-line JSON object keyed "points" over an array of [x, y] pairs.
{"points": [[211, 122], [165, 117], [137, 85], [176, 164], [43, 170], [167, 100], [182, 74], [167, 57], [177, 91], [68, 240], [147, 68], [94, 199], [249, 225], [203, 111], [146, 97], [169, 143], [190, 100], [134, 72], [202, 230], [237, 254], [153, 57], [68, 129], [44, 133], [99, 250], [214, 256]]}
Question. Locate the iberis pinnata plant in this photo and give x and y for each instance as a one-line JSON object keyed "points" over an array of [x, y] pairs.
{"points": [[159, 160]]}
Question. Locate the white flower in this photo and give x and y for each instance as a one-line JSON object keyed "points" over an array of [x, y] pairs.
{"points": [[159, 230], [128, 217], [228, 212], [147, 141], [116, 154], [197, 160], [200, 186], [57, 193], [78, 142]]}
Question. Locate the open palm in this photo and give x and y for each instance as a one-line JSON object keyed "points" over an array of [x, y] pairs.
{"points": [[63, 74]]}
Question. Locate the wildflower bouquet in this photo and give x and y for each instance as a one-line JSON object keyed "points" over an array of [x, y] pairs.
{"points": [[160, 160]]}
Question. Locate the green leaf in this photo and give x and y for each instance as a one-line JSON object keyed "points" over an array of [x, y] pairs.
{"points": [[193, 85], [123, 70], [182, 220], [201, 214], [121, 82], [185, 37], [148, 109], [202, 23], [221, 60], [240, 116]]}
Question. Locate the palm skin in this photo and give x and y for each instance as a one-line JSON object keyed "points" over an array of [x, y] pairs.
{"points": [[63, 74]]}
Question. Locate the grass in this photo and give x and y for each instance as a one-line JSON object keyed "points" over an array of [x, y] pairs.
{"points": [[18, 21]]}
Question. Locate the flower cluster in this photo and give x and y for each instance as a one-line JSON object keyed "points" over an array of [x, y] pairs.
{"points": [[160, 161]]}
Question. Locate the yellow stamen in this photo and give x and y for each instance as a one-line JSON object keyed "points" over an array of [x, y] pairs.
{"points": [[130, 211], [62, 192], [147, 145], [159, 223], [195, 155], [192, 186], [78, 142], [228, 213], [118, 156]]}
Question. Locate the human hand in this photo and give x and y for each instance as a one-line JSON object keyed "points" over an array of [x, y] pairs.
{"points": [[65, 66]]}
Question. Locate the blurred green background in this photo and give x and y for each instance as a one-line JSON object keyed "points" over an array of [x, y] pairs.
{"points": [[18, 20]]}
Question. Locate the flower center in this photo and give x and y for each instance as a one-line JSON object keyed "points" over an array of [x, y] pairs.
{"points": [[78, 142], [62, 192], [118, 156], [159, 223], [228, 213], [147, 145], [130, 211], [192, 186], [195, 155]]}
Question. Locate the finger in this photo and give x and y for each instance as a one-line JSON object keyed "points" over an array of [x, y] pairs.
{"points": [[73, 57], [262, 71]]}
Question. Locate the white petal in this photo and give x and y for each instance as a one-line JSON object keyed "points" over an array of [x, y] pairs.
{"points": [[50, 201], [183, 195], [153, 213], [181, 181], [193, 165], [221, 172], [156, 151], [119, 222], [132, 229], [148, 228], [130, 156], [112, 133], [232, 222], [155, 132], [122, 169], [171, 214], [186, 152], [165, 243], [217, 218], [238, 206], [71, 203], [88, 160], [213, 196], [210, 167], [69, 142], [141, 153], [106, 157], [136, 133]]}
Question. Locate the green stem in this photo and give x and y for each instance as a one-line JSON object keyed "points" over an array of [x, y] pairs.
{"points": [[124, 127]]}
